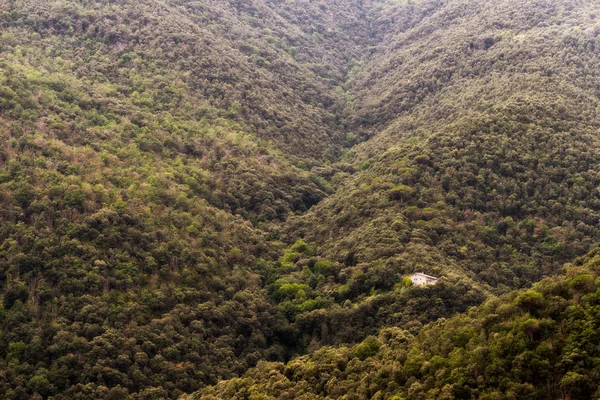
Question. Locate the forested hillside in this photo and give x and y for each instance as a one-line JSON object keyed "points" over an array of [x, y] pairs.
{"points": [[192, 188], [540, 343], [485, 149], [142, 144]]}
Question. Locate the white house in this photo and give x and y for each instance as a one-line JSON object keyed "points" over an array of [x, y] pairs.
{"points": [[419, 279]]}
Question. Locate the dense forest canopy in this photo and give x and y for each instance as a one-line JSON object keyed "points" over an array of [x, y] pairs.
{"points": [[540, 343], [224, 198]]}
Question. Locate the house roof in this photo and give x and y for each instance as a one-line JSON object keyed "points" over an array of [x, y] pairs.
{"points": [[424, 275]]}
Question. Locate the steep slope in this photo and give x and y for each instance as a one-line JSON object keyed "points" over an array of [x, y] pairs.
{"points": [[233, 56], [485, 158], [541, 343], [154, 152], [142, 145], [106, 245]]}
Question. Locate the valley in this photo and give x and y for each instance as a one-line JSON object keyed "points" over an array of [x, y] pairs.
{"points": [[223, 199]]}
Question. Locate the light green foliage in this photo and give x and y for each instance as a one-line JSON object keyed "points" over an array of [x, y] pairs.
{"points": [[367, 349], [401, 192], [530, 300]]}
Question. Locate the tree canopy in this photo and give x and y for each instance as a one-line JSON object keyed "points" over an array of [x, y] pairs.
{"points": [[224, 199]]}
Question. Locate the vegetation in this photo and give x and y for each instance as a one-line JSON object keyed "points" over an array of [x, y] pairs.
{"points": [[224, 199], [484, 151], [540, 343], [133, 175]]}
